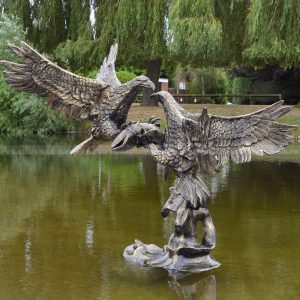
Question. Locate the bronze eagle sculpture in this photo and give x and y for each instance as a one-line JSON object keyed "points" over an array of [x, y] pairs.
{"points": [[193, 142], [104, 100]]}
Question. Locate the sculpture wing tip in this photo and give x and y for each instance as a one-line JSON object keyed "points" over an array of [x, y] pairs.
{"points": [[85, 145]]}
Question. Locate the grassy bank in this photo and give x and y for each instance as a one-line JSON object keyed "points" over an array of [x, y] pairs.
{"points": [[142, 113]]}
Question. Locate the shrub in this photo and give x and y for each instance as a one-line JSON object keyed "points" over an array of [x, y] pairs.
{"points": [[125, 75], [241, 85], [206, 80], [92, 73], [21, 113]]}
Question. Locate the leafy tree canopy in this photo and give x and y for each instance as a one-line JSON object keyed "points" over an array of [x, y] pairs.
{"points": [[232, 32], [273, 33], [196, 31]]}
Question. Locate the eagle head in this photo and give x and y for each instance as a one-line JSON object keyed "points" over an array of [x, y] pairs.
{"points": [[144, 81]]}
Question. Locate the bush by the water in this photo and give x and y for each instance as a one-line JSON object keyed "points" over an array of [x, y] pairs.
{"points": [[21, 113], [241, 85]]}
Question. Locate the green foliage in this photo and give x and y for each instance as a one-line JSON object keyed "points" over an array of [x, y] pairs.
{"points": [[75, 55], [194, 87], [77, 15], [231, 32], [125, 75], [105, 29], [273, 32], [241, 85], [141, 30], [92, 73], [196, 31], [168, 70], [48, 23], [21, 113], [232, 14], [215, 80], [204, 80]]}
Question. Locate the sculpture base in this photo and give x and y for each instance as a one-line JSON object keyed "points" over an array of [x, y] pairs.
{"points": [[150, 256]]}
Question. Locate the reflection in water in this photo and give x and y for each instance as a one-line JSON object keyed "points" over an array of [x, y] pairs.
{"points": [[216, 183], [195, 288], [99, 176], [105, 285], [27, 255], [89, 237], [64, 222]]}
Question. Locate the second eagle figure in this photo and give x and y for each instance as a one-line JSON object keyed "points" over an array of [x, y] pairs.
{"points": [[194, 142]]}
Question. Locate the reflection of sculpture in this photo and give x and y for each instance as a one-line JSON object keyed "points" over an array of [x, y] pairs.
{"points": [[198, 288], [192, 142], [104, 101]]}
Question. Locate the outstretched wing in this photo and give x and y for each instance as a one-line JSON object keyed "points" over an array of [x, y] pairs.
{"points": [[107, 71], [239, 137], [65, 91]]}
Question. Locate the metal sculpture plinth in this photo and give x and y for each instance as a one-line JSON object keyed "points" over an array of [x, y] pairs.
{"points": [[183, 253]]}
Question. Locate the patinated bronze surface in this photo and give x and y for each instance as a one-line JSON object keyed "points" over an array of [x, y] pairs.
{"points": [[193, 142], [104, 101]]}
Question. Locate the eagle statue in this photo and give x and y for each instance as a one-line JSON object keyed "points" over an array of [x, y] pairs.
{"points": [[194, 142], [104, 100]]}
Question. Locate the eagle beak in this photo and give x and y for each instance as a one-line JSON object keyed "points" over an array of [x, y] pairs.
{"points": [[149, 85]]}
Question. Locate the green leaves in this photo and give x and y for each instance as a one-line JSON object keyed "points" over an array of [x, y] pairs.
{"points": [[21, 113], [141, 30], [196, 31], [273, 33], [226, 33]]}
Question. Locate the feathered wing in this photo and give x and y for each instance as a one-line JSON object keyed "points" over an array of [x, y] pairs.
{"points": [[237, 138], [65, 91], [107, 71]]}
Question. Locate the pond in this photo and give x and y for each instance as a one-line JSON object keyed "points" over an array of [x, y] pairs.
{"points": [[64, 222]]}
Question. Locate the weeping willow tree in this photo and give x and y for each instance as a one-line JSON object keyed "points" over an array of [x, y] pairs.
{"points": [[75, 52], [43, 21], [47, 23], [208, 32], [105, 31], [232, 15], [196, 31], [91, 48], [22, 9], [234, 32], [141, 30], [272, 35], [77, 14]]}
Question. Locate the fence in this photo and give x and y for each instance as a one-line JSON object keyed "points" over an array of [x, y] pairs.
{"points": [[200, 98]]}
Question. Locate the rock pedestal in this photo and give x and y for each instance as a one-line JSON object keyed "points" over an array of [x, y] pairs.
{"points": [[183, 253]]}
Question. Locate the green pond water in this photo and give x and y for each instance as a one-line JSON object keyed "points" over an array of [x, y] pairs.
{"points": [[64, 222]]}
